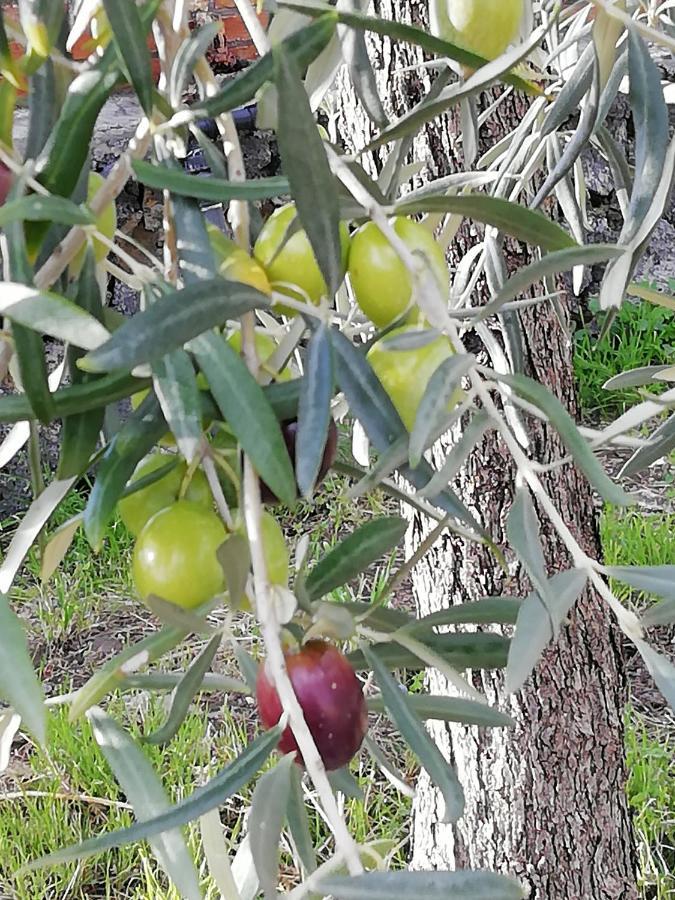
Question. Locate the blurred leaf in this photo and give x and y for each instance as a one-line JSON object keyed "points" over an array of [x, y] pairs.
{"points": [[76, 398], [189, 53], [219, 190], [211, 795], [129, 37], [139, 434], [652, 296], [314, 410], [354, 554], [247, 665], [142, 787], [298, 822], [526, 225], [303, 47], [479, 650], [80, 432], [217, 853], [265, 821], [178, 393], [430, 885], [658, 580], [8, 96], [535, 624], [489, 610], [561, 420], [247, 412], [52, 315], [57, 546], [659, 445], [31, 525], [171, 321], [19, 685], [441, 773], [35, 207], [185, 693], [10, 722], [550, 264], [175, 616], [303, 156], [434, 404], [662, 613], [450, 709], [235, 560], [660, 668], [342, 780]]}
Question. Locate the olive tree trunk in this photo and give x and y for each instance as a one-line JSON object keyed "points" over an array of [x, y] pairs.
{"points": [[546, 800]]}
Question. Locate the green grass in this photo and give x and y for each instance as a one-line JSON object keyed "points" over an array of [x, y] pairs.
{"points": [[640, 335]]}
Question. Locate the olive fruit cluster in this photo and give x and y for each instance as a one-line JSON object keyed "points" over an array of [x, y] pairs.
{"points": [[331, 699], [177, 537]]}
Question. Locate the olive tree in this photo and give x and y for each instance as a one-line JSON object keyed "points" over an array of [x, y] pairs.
{"points": [[240, 364]]}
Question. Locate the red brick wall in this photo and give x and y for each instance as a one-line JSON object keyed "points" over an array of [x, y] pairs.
{"points": [[232, 45]]}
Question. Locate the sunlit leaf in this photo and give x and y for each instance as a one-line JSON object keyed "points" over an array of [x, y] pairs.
{"points": [[432, 885]]}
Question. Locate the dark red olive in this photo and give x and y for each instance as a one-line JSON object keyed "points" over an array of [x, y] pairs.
{"points": [[289, 430], [6, 179], [331, 698]]}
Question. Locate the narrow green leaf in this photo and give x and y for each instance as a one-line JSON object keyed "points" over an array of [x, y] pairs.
{"points": [[460, 885], [213, 794], [660, 668], [177, 617], [522, 531], [487, 611], [51, 314], [246, 410], [635, 377], [247, 665], [434, 404], [173, 320], [189, 53], [303, 155], [298, 823], [121, 668], [57, 546], [354, 554], [129, 37], [418, 738], [472, 433], [31, 525], [479, 650], [80, 398], [660, 444], [450, 709], [266, 819], [662, 613], [178, 393], [303, 47], [189, 686], [562, 421], [550, 264], [343, 781], [80, 432], [219, 190], [355, 52], [235, 560], [535, 624], [19, 685], [526, 225], [141, 785], [139, 434], [657, 580], [314, 410], [35, 207]]}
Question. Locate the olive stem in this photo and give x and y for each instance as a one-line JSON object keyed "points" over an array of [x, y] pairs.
{"points": [[252, 507]]}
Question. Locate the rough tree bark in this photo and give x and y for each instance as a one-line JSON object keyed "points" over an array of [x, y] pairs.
{"points": [[546, 800]]}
